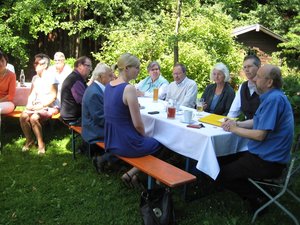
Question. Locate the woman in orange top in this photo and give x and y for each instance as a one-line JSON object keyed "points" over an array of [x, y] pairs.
{"points": [[7, 87]]}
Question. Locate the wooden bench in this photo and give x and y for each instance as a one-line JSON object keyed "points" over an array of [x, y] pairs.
{"points": [[158, 169], [74, 130], [17, 114], [154, 167]]}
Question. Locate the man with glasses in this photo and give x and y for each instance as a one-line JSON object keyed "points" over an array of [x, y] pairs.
{"points": [[246, 100], [182, 89], [73, 89], [270, 135], [60, 70]]}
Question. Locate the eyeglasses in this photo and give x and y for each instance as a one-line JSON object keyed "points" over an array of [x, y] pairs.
{"points": [[58, 60], [88, 65], [39, 63]]}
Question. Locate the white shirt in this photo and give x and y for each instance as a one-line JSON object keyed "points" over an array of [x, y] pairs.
{"points": [[60, 77], [235, 109], [185, 93], [10, 67], [100, 85]]}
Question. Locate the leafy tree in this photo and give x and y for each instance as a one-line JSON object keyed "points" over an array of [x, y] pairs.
{"points": [[204, 39]]}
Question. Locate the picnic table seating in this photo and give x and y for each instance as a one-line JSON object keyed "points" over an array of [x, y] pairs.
{"points": [[154, 167]]}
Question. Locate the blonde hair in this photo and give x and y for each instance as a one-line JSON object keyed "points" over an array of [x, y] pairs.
{"points": [[126, 60], [100, 69]]}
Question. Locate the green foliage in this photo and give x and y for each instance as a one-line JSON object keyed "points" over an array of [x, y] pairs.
{"points": [[291, 82], [204, 39]]}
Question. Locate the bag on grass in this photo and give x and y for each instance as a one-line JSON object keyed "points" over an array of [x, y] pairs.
{"points": [[157, 207]]}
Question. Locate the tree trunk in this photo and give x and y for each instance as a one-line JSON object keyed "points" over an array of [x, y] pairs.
{"points": [[176, 49]]}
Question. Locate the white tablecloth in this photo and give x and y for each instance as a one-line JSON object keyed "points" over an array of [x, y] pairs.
{"points": [[22, 94], [203, 144]]}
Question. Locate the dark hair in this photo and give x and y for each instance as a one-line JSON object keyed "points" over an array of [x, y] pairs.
{"points": [[44, 57], [256, 60], [275, 75], [183, 68], [2, 55], [151, 64], [81, 60]]}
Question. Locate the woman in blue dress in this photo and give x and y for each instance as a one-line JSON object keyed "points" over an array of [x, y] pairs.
{"points": [[124, 128]]}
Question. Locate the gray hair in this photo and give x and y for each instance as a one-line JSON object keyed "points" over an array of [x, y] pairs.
{"points": [[152, 64], [223, 68], [99, 70], [59, 55]]}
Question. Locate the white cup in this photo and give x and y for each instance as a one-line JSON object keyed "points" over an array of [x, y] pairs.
{"points": [[188, 116]]}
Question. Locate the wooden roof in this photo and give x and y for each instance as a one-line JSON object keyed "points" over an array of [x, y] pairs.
{"points": [[258, 36]]}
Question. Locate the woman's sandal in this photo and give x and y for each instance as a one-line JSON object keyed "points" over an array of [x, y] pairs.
{"points": [[27, 147], [126, 178], [132, 181], [136, 182], [41, 151]]}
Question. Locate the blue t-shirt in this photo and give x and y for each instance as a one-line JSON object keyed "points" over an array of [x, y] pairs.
{"points": [[276, 116], [214, 103]]}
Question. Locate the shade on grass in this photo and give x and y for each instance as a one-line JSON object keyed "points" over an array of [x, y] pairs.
{"points": [[55, 189]]}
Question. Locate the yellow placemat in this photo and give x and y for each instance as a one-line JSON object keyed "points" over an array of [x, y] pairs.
{"points": [[214, 119]]}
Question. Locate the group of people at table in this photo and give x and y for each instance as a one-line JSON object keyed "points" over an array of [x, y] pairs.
{"points": [[108, 110]]}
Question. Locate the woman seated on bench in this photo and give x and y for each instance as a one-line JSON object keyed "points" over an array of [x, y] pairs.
{"points": [[7, 87], [124, 128], [40, 105]]}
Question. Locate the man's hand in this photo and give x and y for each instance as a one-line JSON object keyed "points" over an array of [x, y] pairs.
{"points": [[228, 124]]}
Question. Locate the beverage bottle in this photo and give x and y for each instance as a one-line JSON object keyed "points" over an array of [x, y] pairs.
{"points": [[22, 78]]}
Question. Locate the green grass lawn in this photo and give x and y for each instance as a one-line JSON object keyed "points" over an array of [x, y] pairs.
{"points": [[55, 189]]}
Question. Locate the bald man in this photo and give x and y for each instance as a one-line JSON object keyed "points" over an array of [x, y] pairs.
{"points": [[270, 135]]}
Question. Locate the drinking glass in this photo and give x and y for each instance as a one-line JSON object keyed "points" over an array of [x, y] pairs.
{"points": [[155, 94], [200, 103]]}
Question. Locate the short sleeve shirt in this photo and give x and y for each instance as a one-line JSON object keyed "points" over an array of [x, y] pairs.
{"points": [[274, 115]]}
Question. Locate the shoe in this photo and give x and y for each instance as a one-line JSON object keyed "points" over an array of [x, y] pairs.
{"points": [[126, 178], [27, 147], [99, 163], [41, 151], [136, 183], [132, 181]]}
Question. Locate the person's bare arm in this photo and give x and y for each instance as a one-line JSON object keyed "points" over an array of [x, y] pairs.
{"points": [[130, 99]]}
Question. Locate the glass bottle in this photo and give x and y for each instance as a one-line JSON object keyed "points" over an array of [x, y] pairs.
{"points": [[22, 78]]}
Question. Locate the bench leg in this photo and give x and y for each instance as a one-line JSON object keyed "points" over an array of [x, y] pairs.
{"points": [[185, 186], [150, 182], [73, 143], [0, 136], [89, 150]]}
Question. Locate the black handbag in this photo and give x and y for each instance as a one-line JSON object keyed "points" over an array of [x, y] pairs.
{"points": [[157, 207]]}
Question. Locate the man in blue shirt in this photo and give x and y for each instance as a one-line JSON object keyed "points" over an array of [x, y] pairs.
{"points": [[271, 135]]}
